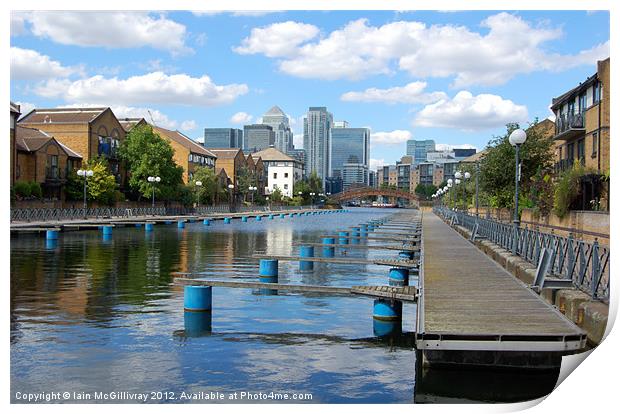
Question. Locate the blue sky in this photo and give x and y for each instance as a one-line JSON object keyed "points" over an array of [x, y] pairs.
{"points": [[455, 77]]}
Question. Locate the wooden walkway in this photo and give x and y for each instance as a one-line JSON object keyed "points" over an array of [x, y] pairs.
{"points": [[469, 302], [406, 293]]}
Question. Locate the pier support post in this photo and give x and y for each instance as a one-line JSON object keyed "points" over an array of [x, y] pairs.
{"points": [[386, 328], [107, 230], [355, 233], [268, 270], [51, 235], [258, 218], [244, 219], [282, 215], [398, 277], [206, 222], [329, 251], [138, 225], [343, 237], [227, 220], [148, 227], [271, 217], [197, 298], [181, 224], [363, 230], [387, 310], [168, 222], [197, 324], [306, 251]]}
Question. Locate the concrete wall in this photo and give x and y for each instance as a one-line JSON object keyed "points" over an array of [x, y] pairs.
{"points": [[580, 223]]}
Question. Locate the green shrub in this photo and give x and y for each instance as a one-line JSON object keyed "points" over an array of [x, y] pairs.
{"points": [[23, 189], [567, 189], [35, 189]]}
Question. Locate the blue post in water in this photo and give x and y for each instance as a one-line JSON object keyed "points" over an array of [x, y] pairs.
{"points": [[138, 224], [226, 220], [107, 230], [268, 269], [398, 277], [282, 215], [244, 219], [355, 233], [371, 227], [51, 244], [291, 215], [51, 234], [148, 227], [387, 310], [197, 298], [386, 328], [306, 251], [363, 230], [181, 224], [329, 251], [190, 220], [168, 222], [206, 222], [197, 324], [271, 217], [258, 218], [343, 237]]}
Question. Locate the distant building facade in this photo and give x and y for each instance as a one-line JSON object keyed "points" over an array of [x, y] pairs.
{"points": [[349, 146], [257, 137], [223, 138], [354, 174], [279, 122], [419, 148], [317, 140], [282, 171]]}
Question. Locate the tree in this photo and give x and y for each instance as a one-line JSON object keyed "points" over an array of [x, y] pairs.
{"points": [[425, 190], [101, 187], [315, 183], [147, 154], [276, 195], [497, 172], [211, 191], [245, 179]]}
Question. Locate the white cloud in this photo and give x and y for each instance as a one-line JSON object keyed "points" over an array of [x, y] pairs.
{"points": [[395, 137], [18, 23], [236, 13], [151, 88], [278, 39], [507, 46], [111, 29], [413, 92], [298, 140], [29, 64], [241, 118], [376, 163], [469, 113], [188, 125]]}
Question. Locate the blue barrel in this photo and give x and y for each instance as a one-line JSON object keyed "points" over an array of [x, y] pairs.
{"points": [[363, 229], [244, 219], [398, 277], [197, 324], [181, 224], [258, 218], [138, 224], [371, 227], [343, 237], [282, 215], [329, 251], [271, 217], [355, 231], [268, 268], [386, 328], [51, 244], [197, 298], [107, 230], [51, 234], [405, 255], [106, 238], [291, 215], [306, 251], [387, 310], [148, 227], [168, 222], [226, 220], [206, 222]]}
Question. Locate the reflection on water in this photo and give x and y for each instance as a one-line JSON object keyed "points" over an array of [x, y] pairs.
{"points": [[93, 313]]}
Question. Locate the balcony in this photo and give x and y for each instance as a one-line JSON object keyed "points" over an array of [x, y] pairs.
{"points": [[54, 176], [569, 126]]}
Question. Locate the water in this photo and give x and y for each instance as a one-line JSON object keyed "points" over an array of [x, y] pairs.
{"points": [[92, 315]]}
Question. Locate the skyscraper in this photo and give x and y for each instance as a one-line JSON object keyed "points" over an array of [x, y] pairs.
{"points": [[349, 146], [317, 140], [257, 137], [277, 119], [223, 138], [418, 149]]}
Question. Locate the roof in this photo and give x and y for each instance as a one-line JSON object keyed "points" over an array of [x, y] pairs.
{"points": [[275, 111], [15, 108], [225, 153], [183, 140], [476, 157], [556, 102], [62, 115], [32, 139], [272, 154], [129, 123]]}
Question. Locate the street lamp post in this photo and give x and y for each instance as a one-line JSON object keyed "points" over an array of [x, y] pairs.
{"points": [[449, 192], [466, 177], [198, 186], [85, 174], [230, 197], [458, 175], [517, 137], [477, 175], [312, 200], [252, 189], [153, 180], [456, 193]]}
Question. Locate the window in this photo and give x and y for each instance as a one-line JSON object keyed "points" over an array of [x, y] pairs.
{"points": [[275, 176], [286, 186], [275, 186], [582, 102], [285, 175], [581, 150], [597, 92], [594, 144]]}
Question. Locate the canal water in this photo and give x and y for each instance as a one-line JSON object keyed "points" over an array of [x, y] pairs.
{"points": [[93, 315]]}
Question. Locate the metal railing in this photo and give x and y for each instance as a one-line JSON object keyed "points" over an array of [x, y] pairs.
{"points": [[60, 214], [566, 122], [585, 264]]}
